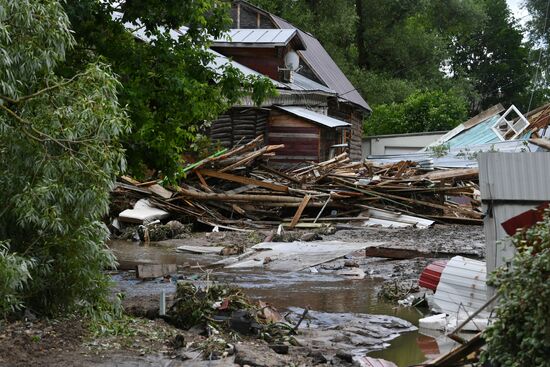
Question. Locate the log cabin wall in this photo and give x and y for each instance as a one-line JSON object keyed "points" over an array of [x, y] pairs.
{"points": [[301, 138], [329, 137], [346, 112], [239, 126]]}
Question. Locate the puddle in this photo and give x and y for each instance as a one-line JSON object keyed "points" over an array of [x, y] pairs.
{"points": [[319, 291], [329, 293]]}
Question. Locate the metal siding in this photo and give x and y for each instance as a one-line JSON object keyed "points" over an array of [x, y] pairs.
{"points": [[499, 250], [458, 157], [324, 66], [272, 37], [477, 135], [461, 286], [314, 116], [514, 176]]}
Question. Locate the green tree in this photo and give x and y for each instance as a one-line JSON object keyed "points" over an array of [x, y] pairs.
{"points": [[59, 157], [172, 83], [421, 111], [520, 335], [493, 58], [539, 31], [539, 24]]}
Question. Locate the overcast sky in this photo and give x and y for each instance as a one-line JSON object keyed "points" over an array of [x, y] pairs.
{"points": [[517, 7]]}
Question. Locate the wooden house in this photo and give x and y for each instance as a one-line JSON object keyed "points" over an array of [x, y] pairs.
{"points": [[317, 112]]}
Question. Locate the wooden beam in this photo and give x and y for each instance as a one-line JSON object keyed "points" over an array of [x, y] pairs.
{"points": [[541, 142], [231, 198], [251, 156], [405, 253], [203, 181], [243, 180], [456, 355], [449, 174], [299, 212]]}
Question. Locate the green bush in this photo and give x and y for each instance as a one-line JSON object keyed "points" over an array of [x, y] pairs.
{"points": [[14, 274], [420, 112], [59, 156], [520, 336]]}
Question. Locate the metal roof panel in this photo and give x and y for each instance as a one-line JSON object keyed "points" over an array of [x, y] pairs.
{"points": [[314, 116], [324, 66], [249, 37]]}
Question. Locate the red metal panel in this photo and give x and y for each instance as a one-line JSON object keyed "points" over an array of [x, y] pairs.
{"points": [[431, 275], [524, 220]]}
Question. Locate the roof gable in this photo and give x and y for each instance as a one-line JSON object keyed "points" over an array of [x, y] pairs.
{"points": [[318, 60], [324, 67]]}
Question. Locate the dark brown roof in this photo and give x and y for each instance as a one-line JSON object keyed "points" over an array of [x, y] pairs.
{"points": [[324, 67]]}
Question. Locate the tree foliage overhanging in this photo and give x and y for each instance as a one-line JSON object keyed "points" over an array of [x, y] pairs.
{"points": [[59, 157], [171, 85]]}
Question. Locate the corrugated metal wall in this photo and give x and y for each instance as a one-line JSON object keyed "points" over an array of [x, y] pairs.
{"points": [[514, 176], [510, 184]]}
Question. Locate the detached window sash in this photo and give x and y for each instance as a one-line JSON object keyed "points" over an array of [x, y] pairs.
{"points": [[508, 129]]}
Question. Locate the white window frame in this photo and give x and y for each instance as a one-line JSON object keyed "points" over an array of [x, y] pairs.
{"points": [[510, 124]]}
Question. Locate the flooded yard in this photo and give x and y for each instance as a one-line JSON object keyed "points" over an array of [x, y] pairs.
{"points": [[319, 291]]}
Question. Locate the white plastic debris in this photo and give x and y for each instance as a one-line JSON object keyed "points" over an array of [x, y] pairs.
{"points": [[216, 229], [407, 302], [435, 322], [143, 212]]}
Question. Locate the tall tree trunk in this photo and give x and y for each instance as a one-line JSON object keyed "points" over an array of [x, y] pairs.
{"points": [[360, 34]]}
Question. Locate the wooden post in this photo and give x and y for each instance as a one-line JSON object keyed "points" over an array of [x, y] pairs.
{"points": [[298, 214]]}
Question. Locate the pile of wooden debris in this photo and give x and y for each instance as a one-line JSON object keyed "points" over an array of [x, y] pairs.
{"points": [[239, 189]]}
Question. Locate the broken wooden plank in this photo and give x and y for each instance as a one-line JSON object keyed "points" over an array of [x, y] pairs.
{"points": [[243, 180], [148, 271], [298, 214], [541, 142], [278, 173], [160, 191], [405, 253], [252, 156], [238, 197], [462, 173], [456, 355]]}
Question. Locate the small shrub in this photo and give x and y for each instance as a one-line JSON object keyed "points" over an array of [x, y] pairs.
{"points": [[520, 336], [14, 274]]}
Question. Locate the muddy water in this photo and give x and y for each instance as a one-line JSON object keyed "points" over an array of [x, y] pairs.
{"points": [[319, 291], [326, 292]]}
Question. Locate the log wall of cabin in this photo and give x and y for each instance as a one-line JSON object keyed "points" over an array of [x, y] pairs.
{"points": [[344, 111], [238, 126]]}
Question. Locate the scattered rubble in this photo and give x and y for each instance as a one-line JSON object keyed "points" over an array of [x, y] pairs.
{"points": [[236, 190]]}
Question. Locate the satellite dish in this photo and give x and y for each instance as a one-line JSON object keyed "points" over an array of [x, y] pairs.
{"points": [[292, 60]]}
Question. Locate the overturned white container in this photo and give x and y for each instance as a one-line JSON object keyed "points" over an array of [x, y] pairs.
{"points": [[142, 213]]}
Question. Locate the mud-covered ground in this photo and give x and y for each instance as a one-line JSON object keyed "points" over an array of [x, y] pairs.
{"points": [[69, 342]]}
